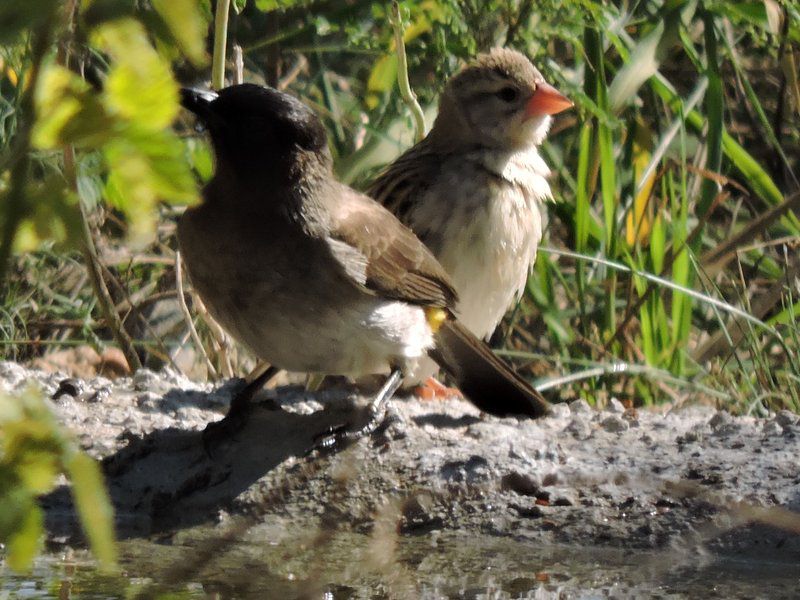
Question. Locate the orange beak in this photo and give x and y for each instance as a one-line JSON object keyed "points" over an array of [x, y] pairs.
{"points": [[546, 100]]}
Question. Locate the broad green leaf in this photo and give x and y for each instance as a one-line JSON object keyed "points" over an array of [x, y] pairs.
{"points": [[69, 112], [25, 542], [54, 217], [647, 55], [94, 507], [715, 107], [187, 25], [140, 86], [146, 167], [381, 78]]}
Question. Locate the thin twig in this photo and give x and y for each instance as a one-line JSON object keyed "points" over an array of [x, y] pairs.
{"points": [[188, 317], [89, 251], [408, 95], [238, 65], [220, 44]]}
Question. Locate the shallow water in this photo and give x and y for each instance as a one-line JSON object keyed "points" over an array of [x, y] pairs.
{"points": [[345, 565]]}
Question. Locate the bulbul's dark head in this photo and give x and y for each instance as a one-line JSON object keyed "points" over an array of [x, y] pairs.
{"points": [[257, 127]]}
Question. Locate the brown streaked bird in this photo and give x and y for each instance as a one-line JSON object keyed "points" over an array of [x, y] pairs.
{"points": [[313, 276], [473, 189]]}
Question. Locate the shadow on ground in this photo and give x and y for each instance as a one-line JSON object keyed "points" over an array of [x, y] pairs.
{"points": [[172, 478]]}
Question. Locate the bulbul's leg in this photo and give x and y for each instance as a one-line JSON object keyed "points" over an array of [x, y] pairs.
{"points": [[338, 437]]}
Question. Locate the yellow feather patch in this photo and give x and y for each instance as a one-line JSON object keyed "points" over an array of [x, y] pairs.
{"points": [[435, 317]]}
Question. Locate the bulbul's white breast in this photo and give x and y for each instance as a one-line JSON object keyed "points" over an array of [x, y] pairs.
{"points": [[483, 220]]}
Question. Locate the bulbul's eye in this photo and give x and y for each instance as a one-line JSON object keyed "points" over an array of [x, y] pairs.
{"points": [[507, 94]]}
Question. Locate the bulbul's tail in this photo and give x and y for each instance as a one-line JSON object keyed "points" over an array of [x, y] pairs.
{"points": [[484, 378]]}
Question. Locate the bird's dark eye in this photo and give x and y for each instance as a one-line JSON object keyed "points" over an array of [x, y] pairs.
{"points": [[507, 94]]}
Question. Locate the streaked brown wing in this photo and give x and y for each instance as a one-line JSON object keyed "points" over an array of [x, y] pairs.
{"points": [[406, 179], [397, 265]]}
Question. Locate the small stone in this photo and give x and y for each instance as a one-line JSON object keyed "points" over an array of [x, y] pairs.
{"points": [[144, 379], [772, 428], [785, 418], [148, 401], [70, 387], [520, 483], [528, 512], [689, 437], [720, 419], [579, 428], [616, 407], [563, 499], [551, 479], [101, 394], [580, 406], [559, 411], [614, 424]]}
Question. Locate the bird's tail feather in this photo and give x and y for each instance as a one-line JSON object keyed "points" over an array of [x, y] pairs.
{"points": [[483, 377]]}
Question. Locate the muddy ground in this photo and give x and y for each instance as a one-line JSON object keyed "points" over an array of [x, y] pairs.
{"points": [[690, 481]]}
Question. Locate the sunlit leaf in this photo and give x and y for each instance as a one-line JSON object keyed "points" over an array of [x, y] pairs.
{"points": [[639, 219], [69, 111], [25, 542], [140, 86], [647, 55], [381, 78], [187, 25], [94, 507], [54, 217]]}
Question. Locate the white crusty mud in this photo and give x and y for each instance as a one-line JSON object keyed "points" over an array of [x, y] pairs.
{"points": [[693, 479]]}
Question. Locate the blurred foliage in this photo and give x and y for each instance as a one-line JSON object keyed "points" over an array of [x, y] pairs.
{"points": [[34, 452], [674, 176]]}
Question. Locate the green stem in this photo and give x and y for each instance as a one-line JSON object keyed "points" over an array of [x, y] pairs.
{"points": [[220, 44], [408, 95]]}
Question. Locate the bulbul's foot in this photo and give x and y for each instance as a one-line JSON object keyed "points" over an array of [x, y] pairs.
{"points": [[339, 437], [433, 389]]}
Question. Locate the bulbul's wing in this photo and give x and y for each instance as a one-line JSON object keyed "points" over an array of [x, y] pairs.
{"points": [[383, 256], [406, 180]]}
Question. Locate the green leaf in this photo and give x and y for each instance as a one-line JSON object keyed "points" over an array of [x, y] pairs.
{"points": [[94, 507], [146, 167], [238, 6], [140, 86], [54, 217], [25, 542], [647, 55], [70, 112], [187, 25], [715, 107]]}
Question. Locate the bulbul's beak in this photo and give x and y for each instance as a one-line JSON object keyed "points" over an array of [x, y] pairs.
{"points": [[199, 102], [546, 100]]}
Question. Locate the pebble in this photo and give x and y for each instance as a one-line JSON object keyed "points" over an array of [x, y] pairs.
{"points": [[614, 424], [616, 407], [579, 428], [580, 406], [559, 411], [785, 418]]}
